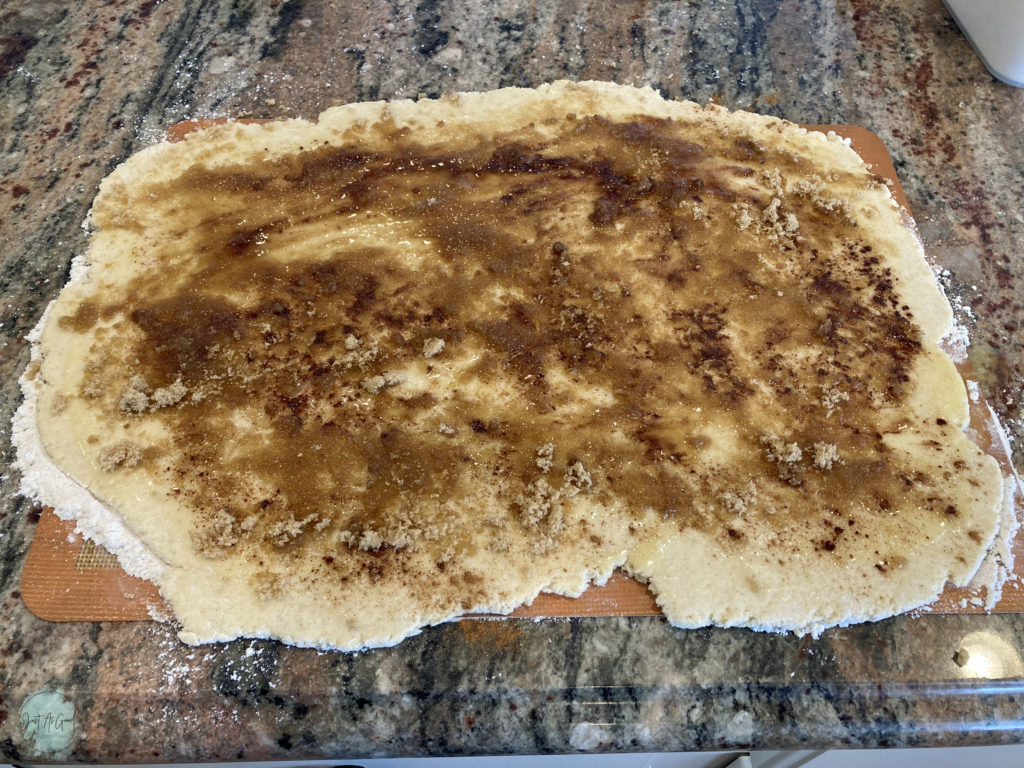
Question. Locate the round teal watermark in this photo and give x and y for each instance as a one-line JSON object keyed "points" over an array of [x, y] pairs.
{"points": [[49, 721]]}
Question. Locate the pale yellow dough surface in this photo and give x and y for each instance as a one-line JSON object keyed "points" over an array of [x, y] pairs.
{"points": [[350, 378]]}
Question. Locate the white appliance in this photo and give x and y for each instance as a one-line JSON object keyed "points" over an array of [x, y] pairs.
{"points": [[996, 30]]}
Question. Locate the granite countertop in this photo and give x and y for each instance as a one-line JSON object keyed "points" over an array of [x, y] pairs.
{"points": [[82, 88]]}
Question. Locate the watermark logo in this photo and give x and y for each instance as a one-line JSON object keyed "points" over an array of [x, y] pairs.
{"points": [[49, 721]]}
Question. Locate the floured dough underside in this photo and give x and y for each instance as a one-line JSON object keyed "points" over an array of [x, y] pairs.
{"points": [[347, 379]]}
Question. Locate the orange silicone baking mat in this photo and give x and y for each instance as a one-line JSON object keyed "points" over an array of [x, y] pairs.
{"points": [[67, 578]]}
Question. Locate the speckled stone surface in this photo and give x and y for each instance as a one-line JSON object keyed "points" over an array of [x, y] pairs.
{"points": [[82, 86]]}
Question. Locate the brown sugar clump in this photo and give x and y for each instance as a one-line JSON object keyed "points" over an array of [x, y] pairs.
{"points": [[123, 453], [545, 454], [167, 396], [215, 536], [433, 347], [540, 512], [786, 455], [577, 478], [285, 531], [740, 502], [825, 455], [135, 395], [779, 450], [382, 381]]}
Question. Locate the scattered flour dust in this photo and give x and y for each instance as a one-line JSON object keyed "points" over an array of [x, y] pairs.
{"points": [[997, 568], [985, 590], [41, 479], [973, 390], [957, 340], [179, 666]]}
